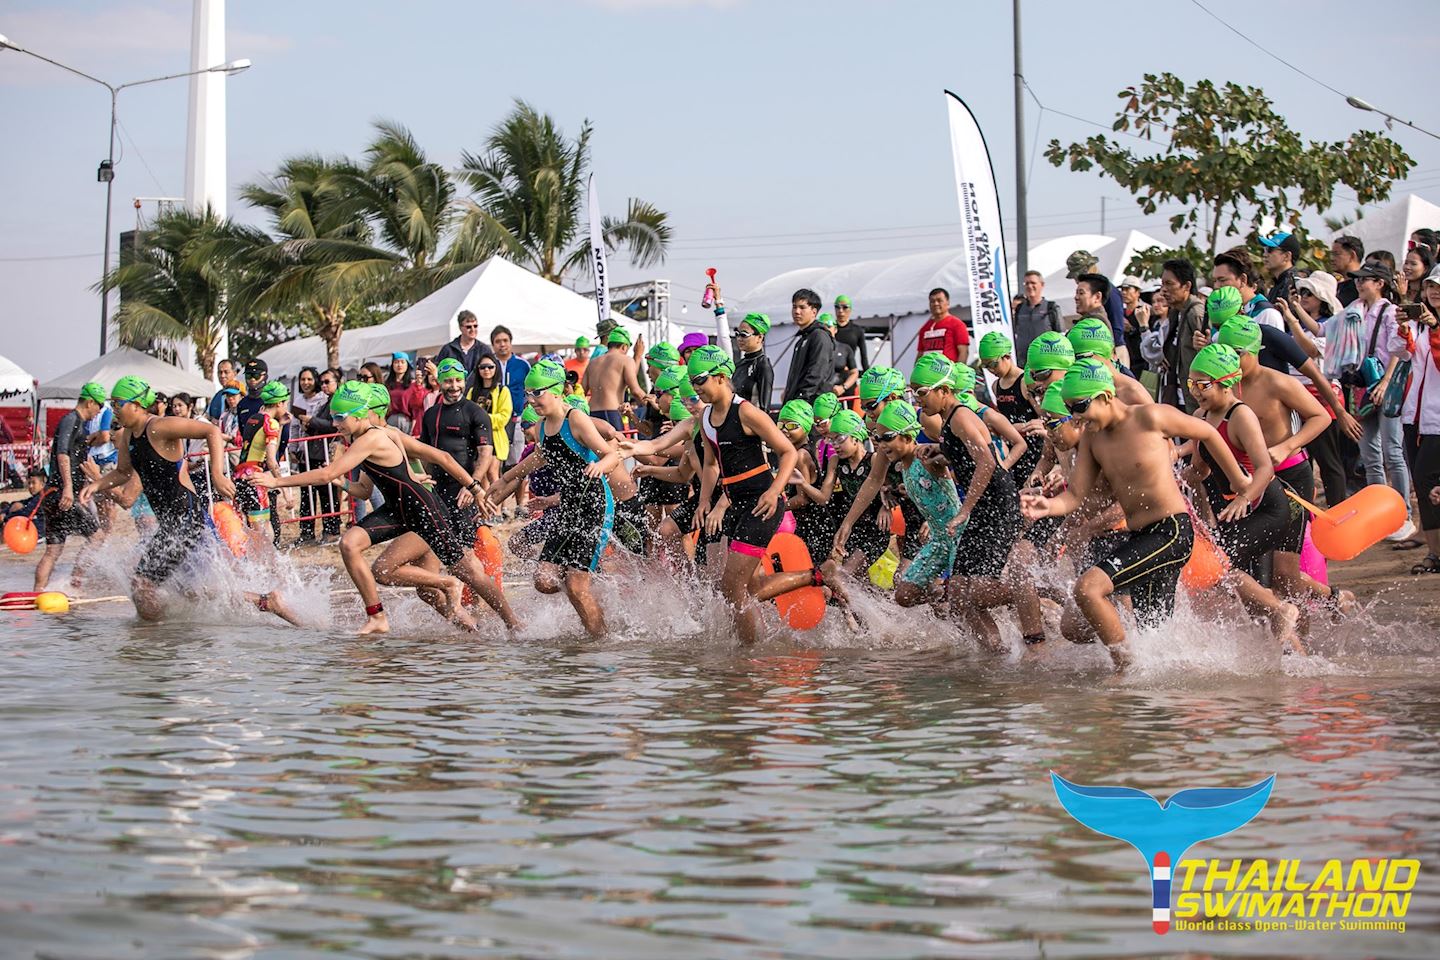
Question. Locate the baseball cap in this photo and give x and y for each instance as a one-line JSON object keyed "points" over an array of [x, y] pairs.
{"points": [[1130, 280], [256, 368], [1081, 261], [1282, 240], [1373, 268]]}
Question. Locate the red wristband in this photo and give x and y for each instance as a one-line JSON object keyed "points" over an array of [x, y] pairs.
{"points": [[373, 609]]}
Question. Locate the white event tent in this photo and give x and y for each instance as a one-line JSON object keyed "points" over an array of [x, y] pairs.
{"points": [[889, 296], [539, 313], [1389, 228], [14, 381], [123, 361]]}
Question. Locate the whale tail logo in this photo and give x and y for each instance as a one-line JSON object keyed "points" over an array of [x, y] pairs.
{"points": [[1162, 832]]}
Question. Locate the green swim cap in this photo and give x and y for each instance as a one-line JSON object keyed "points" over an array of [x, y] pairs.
{"points": [[528, 416], [1092, 336], [842, 301], [1049, 351], [826, 320], [1222, 304], [932, 369], [995, 345], [582, 343], [379, 399], [677, 410], [826, 406], [620, 335], [449, 369], [1027, 378], [968, 401], [1054, 402], [578, 402], [93, 391], [133, 389], [274, 392], [848, 423], [1087, 378], [663, 355], [546, 375], [800, 413], [879, 382], [1242, 333], [351, 400], [962, 379], [674, 380], [710, 360], [759, 322], [1218, 361], [900, 417]]}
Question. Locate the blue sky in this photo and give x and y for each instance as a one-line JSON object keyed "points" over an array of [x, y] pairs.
{"points": [[820, 122]]}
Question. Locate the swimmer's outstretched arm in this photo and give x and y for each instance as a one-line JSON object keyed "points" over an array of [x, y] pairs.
{"points": [[350, 458], [668, 441], [510, 480]]}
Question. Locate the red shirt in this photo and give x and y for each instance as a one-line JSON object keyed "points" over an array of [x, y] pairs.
{"points": [[948, 335]]}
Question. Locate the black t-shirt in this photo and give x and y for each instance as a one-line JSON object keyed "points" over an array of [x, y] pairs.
{"points": [[460, 429], [69, 442], [852, 335], [1279, 351]]}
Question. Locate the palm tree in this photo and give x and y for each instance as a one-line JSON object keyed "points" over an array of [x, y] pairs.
{"points": [[529, 200], [409, 198], [169, 290], [323, 262]]}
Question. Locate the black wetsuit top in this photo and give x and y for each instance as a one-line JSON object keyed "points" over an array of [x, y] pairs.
{"points": [[460, 429], [174, 504], [1001, 486], [1013, 406], [737, 453], [69, 442]]}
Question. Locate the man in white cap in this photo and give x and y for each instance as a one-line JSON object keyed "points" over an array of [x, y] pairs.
{"points": [[1137, 319]]}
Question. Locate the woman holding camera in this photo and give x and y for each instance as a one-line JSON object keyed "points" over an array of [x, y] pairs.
{"points": [[1421, 419]]}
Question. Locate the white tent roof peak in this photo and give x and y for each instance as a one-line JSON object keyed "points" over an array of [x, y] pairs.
{"points": [[14, 379], [1389, 227], [538, 312], [125, 361]]}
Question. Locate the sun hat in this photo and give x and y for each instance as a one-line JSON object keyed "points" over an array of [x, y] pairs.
{"points": [[1323, 285]]}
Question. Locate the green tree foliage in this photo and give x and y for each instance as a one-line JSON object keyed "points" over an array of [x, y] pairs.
{"points": [[169, 290], [529, 202], [1227, 155]]}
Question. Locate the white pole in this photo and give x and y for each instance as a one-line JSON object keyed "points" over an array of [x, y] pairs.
{"points": [[205, 182]]}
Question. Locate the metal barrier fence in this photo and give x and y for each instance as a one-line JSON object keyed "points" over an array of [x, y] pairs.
{"points": [[343, 505], [17, 460]]}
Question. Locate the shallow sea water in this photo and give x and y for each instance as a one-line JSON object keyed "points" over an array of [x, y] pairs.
{"points": [[226, 787]]}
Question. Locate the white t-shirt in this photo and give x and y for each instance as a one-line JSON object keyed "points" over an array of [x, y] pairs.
{"points": [[104, 420]]}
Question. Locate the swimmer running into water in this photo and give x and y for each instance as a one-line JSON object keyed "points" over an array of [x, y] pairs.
{"points": [[153, 448]]}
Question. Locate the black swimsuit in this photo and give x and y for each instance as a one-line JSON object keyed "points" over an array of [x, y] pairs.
{"points": [[1013, 406], [182, 523], [411, 507], [745, 475], [995, 522]]}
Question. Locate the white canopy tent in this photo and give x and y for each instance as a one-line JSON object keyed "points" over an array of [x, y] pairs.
{"points": [[14, 381], [539, 313], [124, 361], [284, 360], [1389, 228]]}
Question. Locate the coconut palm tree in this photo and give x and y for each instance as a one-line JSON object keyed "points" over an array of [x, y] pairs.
{"points": [[170, 291], [529, 199], [409, 198], [323, 262]]}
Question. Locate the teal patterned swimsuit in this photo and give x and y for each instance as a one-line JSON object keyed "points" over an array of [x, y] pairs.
{"points": [[939, 503]]}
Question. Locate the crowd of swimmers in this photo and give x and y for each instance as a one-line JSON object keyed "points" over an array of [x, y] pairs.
{"points": [[1069, 486]]}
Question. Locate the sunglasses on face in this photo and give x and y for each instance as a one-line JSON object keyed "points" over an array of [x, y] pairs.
{"points": [[366, 378], [1056, 423], [699, 381], [1080, 406], [535, 394], [486, 366], [991, 364]]}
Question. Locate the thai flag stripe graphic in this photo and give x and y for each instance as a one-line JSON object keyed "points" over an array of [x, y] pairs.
{"points": [[1160, 885]]}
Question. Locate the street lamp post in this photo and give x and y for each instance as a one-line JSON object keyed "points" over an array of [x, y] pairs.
{"points": [[1359, 104], [106, 172]]}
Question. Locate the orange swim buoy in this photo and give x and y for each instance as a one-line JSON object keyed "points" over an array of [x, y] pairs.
{"points": [[230, 527], [802, 609], [1207, 563], [21, 535], [1355, 525], [492, 557], [897, 522]]}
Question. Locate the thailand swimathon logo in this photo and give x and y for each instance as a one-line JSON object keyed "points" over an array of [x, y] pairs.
{"points": [[1238, 895]]}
